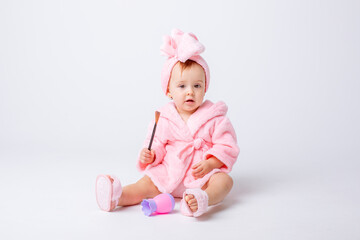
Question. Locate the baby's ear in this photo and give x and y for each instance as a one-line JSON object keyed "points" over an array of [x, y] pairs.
{"points": [[169, 95]]}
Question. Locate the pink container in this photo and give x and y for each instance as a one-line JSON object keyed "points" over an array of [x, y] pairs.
{"points": [[162, 203]]}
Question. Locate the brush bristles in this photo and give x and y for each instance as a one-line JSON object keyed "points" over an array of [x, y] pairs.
{"points": [[157, 115]]}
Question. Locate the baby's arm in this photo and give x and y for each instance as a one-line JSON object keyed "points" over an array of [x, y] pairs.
{"points": [[158, 151], [225, 149], [204, 167]]}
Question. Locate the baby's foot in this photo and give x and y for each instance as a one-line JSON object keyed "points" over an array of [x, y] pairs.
{"points": [[194, 203], [191, 202], [108, 191]]}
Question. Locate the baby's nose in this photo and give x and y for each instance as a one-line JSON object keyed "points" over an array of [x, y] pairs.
{"points": [[190, 91]]}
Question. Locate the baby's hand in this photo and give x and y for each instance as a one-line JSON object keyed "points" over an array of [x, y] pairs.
{"points": [[201, 169], [204, 167], [146, 156]]}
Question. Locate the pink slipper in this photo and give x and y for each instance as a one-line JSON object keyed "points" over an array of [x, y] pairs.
{"points": [[108, 191], [202, 200]]}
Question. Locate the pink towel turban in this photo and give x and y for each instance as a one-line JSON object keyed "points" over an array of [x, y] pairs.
{"points": [[181, 46]]}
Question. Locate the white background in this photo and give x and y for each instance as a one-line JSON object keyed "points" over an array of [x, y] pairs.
{"points": [[80, 81]]}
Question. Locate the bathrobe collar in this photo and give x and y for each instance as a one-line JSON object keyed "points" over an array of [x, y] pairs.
{"points": [[203, 114]]}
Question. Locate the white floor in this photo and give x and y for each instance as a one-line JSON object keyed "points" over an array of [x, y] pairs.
{"points": [[53, 196]]}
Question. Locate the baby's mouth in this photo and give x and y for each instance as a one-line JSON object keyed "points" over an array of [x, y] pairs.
{"points": [[189, 101]]}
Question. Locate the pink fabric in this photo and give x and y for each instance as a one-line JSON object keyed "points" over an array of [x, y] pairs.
{"points": [[179, 145], [181, 46], [108, 191], [117, 189]]}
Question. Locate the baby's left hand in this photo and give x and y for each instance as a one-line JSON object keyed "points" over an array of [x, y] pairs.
{"points": [[204, 167], [201, 169]]}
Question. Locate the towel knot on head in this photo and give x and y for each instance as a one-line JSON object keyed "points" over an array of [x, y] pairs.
{"points": [[180, 46], [198, 143]]}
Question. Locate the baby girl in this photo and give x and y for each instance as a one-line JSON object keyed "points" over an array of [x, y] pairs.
{"points": [[195, 145]]}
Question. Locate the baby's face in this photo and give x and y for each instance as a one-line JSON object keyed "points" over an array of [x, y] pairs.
{"points": [[187, 88]]}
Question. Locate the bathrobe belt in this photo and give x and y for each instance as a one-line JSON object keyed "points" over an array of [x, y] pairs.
{"points": [[186, 154]]}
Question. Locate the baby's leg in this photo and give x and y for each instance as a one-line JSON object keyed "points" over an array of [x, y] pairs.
{"points": [[218, 186], [134, 193]]}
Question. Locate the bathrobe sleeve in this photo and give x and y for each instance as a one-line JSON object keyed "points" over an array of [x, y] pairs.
{"points": [[224, 141], [158, 145]]}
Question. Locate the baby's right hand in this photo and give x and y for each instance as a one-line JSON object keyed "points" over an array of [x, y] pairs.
{"points": [[146, 156]]}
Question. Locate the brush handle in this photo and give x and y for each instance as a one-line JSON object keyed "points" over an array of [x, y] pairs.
{"points": [[152, 137]]}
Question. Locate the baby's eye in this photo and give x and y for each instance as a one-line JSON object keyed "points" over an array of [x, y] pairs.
{"points": [[181, 86], [197, 86]]}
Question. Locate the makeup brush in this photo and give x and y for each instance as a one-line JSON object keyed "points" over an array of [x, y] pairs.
{"points": [[157, 115]]}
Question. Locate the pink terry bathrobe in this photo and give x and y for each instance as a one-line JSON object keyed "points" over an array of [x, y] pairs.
{"points": [[179, 145]]}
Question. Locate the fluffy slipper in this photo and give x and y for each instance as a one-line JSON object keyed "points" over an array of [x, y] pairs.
{"points": [[202, 201], [108, 191]]}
